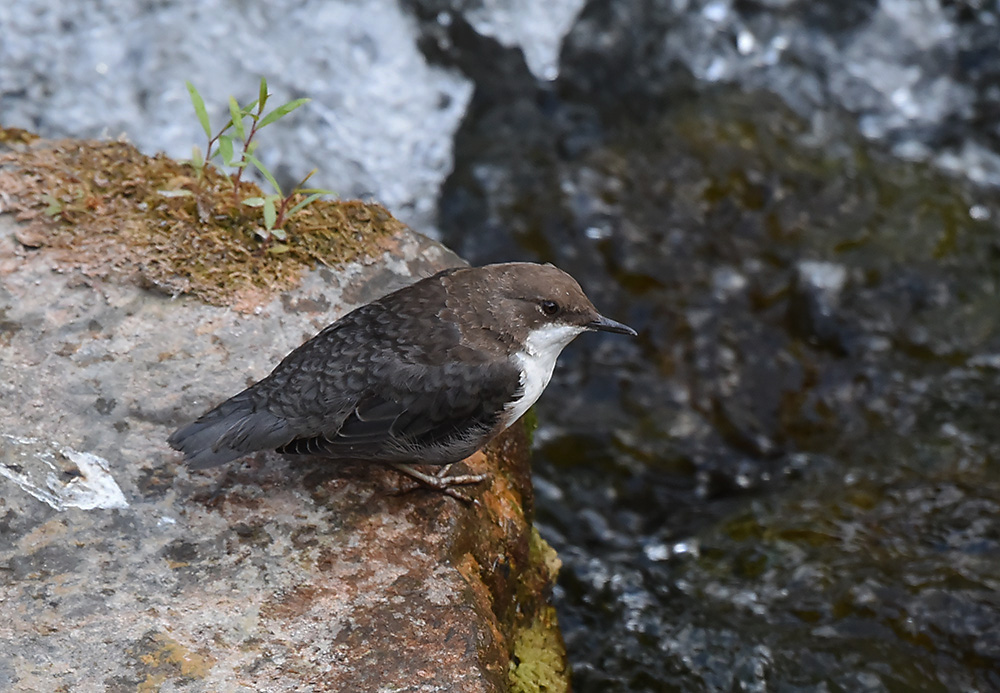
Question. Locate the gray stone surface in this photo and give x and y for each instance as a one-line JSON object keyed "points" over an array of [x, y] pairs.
{"points": [[120, 570]]}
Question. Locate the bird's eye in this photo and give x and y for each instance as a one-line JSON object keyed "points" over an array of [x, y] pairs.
{"points": [[549, 307]]}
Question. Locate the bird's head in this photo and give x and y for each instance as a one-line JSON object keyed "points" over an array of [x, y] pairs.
{"points": [[539, 306]]}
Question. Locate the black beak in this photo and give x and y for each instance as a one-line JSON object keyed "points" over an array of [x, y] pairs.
{"points": [[607, 325]]}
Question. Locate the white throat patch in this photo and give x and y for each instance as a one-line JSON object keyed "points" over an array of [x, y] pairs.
{"points": [[536, 361]]}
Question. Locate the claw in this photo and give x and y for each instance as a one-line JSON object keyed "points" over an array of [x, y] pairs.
{"points": [[441, 481]]}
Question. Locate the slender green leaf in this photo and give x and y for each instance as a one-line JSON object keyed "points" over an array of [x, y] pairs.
{"points": [[254, 202], [246, 110], [270, 213], [199, 109], [280, 234], [226, 149], [282, 111], [279, 248], [264, 172], [309, 200], [262, 98], [321, 191], [237, 118], [197, 160]]}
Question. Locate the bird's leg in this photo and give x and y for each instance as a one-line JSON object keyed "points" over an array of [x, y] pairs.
{"points": [[441, 481]]}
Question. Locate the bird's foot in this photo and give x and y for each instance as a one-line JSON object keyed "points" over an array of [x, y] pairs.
{"points": [[442, 481]]}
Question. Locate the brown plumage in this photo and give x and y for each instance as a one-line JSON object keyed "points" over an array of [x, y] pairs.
{"points": [[425, 375]]}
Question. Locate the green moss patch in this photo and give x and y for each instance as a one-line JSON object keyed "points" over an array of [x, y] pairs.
{"points": [[108, 210]]}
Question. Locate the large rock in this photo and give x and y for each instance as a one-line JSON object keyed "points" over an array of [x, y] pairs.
{"points": [[122, 570]]}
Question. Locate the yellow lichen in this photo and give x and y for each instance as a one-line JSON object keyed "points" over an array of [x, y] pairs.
{"points": [[542, 554], [162, 658], [538, 664]]}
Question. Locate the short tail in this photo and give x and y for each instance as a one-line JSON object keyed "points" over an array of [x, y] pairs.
{"points": [[233, 429]]}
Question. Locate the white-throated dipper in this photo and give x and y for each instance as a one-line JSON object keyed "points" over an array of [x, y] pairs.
{"points": [[426, 375]]}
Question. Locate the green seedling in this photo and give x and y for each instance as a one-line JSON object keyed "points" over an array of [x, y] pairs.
{"points": [[234, 145], [277, 207]]}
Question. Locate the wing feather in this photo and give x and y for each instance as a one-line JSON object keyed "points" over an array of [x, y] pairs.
{"points": [[440, 424]]}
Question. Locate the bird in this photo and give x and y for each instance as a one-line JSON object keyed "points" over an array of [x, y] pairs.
{"points": [[426, 375]]}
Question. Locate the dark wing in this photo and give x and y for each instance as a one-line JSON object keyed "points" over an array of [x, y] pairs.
{"points": [[363, 387], [440, 416]]}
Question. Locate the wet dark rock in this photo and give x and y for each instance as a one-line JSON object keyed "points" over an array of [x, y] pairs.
{"points": [[812, 306]]}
